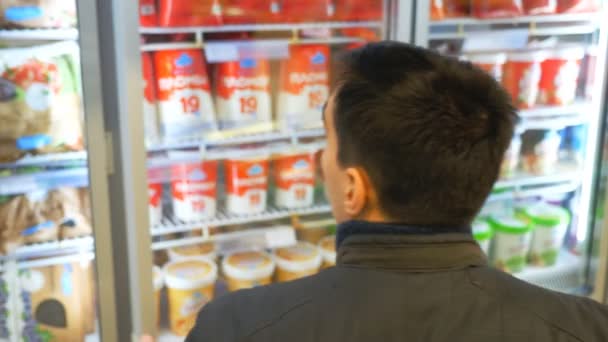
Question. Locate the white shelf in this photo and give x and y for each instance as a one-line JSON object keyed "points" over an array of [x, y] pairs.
{"points": [[561, 188], [577, 108], [171, 225], [39, 34], [53, 159], [563, 174], [548, 25], [261, 27], [220, 139], [28, 182], [247, 239], [51, 248], [553, 18], [260, 42]]}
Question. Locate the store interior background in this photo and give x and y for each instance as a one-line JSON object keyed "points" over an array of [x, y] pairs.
{"points": [[155, 154]]}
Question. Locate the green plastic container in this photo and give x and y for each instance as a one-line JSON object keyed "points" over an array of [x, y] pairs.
{"points": [[512, 238], [549, 224], [482, 233]]}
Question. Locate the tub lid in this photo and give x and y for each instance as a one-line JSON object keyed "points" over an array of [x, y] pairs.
{"points": [[508, 224], [547, 215], [248, 265], [481, 230], [300, 257], [328, 248], [190, 273]]}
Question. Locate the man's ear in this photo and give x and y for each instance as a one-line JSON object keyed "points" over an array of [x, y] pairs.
{"points": [[357, 192]]}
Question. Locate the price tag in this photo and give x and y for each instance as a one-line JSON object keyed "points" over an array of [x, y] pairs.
{"points": [[221, 52], [280, 237], [496, 41]]}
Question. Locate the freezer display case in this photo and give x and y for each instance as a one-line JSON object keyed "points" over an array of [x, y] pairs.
{"points": [[550, 56], [225, 128], [48, 277]]}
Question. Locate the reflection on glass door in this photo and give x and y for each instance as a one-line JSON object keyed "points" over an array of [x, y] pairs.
{"points": [[47, 278]]}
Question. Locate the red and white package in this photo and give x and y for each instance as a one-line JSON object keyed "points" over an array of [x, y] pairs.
{"points": [[149, 103], [155, 206], [457, 8], [294, 176], [246, 185], [243, 93], [492, 63], [194, 190], [521, 77], [304, 86], [496, 8], [588, 72], [437, 10], [351, 10], [251, 11], [189, 13], [577, 6], [308, 10], [534, 7], [147, 13], [559, 76], [184, 98]]}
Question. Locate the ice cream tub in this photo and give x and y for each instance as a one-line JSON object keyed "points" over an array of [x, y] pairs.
{"points": [[190, 285], [549, 224], [158, 285], [194, 190], [294, 176], [521, 77], [559, 76], [206, 250], [482, 233], [247, 269], [327, 245], [511, 242], [155, 206], [510, 160], [492, 63], [185, 106], [243, 93], [247, 185], [300, 260], [540, 151], [304, 86]]}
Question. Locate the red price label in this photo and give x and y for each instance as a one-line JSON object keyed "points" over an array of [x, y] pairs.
{"points": [[249, 104], [315, 99], [190, 104], [198, 206], [300, 194]]}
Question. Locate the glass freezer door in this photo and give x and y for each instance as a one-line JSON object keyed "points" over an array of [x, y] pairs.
{"points": [[216, 129], [53, 185]]}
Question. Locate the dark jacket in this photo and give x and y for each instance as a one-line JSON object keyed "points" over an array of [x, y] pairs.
{"points": [[397, 283]]}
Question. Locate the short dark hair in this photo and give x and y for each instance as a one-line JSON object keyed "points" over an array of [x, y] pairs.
{"points": [[430, 131]]}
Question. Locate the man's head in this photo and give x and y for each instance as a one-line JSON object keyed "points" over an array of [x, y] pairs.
{"points": [[413, 137]]}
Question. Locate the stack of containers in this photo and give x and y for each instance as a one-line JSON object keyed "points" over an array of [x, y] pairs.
{"points": [[194, 185], [532, 234], [179, 13], [546, 77], [487, 9], [192, 276]]}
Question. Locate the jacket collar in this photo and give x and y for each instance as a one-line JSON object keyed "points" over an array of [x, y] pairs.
{"points": [[406, 247]]}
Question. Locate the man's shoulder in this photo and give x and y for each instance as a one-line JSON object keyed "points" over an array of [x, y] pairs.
{"points": [[242, 313], [578, 317]]}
